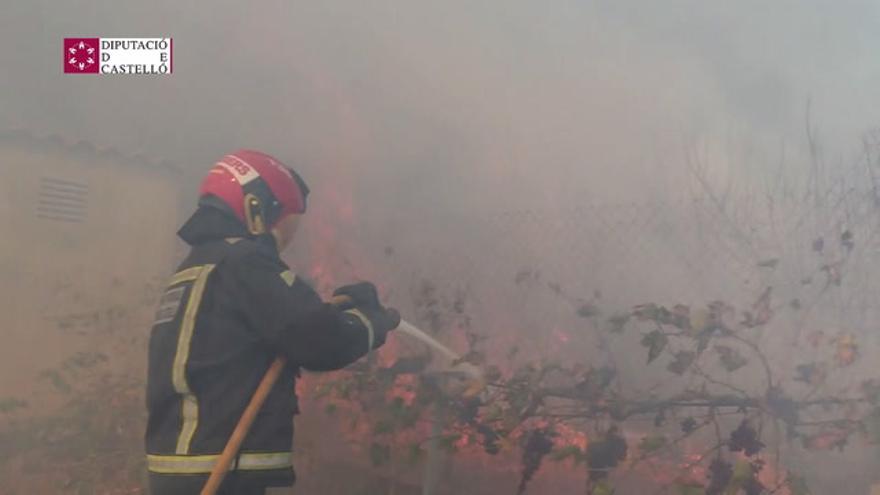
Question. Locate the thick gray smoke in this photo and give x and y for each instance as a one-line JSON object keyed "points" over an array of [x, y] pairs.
{"points": [[404, 114], [571, 97]]}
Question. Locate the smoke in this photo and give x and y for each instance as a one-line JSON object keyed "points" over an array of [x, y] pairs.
{"points": [[523, 102], [399, 112]]}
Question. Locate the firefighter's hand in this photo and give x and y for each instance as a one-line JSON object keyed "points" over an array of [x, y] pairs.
{"points": [[393, 318], [384, 320], [388, 321], [362, 295], [365, 298]]}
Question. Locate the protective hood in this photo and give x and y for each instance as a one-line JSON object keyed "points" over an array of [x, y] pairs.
{"points": [[212, 222]]}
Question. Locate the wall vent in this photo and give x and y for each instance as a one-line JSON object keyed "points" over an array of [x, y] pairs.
{"points": [[62, 200]]}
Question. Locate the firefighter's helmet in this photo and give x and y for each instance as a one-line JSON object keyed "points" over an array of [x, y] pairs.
{"points": [[257, 188]]}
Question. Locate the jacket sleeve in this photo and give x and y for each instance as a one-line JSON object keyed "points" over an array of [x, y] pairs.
{"points": [[290, 316]]}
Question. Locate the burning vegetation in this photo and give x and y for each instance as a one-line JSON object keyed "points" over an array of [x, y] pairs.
{"points": [[709, 436]]}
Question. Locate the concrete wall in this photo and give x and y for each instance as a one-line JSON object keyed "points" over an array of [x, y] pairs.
{"points": [[86, 238]]}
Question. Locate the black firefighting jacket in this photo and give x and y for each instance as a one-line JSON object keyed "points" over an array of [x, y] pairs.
{"points": [[228, 311]]}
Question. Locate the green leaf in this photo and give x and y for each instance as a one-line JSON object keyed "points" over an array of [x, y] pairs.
{"points": [[770, 263], [797, 485], [321, 391], [415, 453], [84, 360], [647, 312], [731, 359], [568, 452], [330, 409], [683, 361], [382, 427], [492, 373], [703, 342], [405, 416], [617, 323], [447, 442], [871, 389], [54, 376], [742, 472], [655, 342], [813, 374], [493, 413], [652, 443], [690, 489], [379, 454], [10, 404], [587, 310], [512, 352], [344, 390], [872, 425], [603, 488], [700, 320], [397, 406]]}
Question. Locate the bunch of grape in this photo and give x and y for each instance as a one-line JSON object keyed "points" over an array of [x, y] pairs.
{"points": [[538, 444], [490, 439], [745, 439], [720, 474], [606, 453]]}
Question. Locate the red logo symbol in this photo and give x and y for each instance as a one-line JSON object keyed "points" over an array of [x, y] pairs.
{"points": [[81, 55]]}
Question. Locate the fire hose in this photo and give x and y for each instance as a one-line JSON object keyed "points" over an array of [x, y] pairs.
{"points": [[230, 451]]}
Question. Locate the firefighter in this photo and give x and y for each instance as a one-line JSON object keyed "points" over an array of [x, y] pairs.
{"points": [[229, 310]]}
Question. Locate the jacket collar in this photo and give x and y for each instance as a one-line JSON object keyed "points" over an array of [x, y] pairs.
{"points": [[209, 223]]}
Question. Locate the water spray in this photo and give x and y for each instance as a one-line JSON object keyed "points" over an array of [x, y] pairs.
{"points": [[458, 366]]}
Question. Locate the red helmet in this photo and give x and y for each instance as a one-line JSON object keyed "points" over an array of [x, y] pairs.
{"points": [[258, 189]]}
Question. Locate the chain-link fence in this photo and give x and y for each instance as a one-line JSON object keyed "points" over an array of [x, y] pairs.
{"points": [[818, 253], [530, 276], [533, 274]]}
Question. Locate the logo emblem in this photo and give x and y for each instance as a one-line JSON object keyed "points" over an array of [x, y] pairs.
{"points": [[81, 55]]}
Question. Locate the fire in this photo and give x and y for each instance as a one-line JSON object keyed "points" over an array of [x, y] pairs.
{"points": [[772, 475], [389, 353], [404, 388], [335, 259], [561, 336], [568, 436]]}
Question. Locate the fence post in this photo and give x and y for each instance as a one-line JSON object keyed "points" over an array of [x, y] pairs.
{"points": [[434, 458]]}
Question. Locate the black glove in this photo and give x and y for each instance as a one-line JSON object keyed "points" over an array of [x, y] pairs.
{"points": [[383, 320], [365, 298], [362, 295]]}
